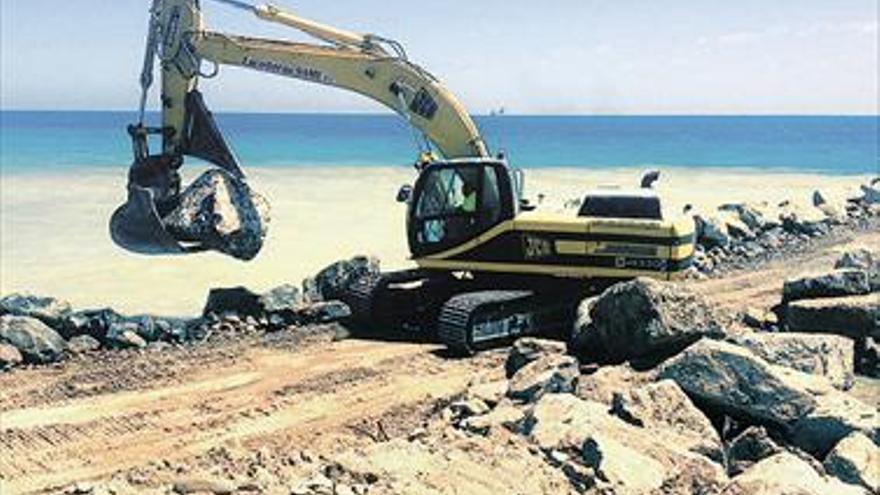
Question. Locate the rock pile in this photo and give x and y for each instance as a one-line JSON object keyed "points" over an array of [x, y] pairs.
{"points": [[739, 233], [40, 330], [843, 301]]}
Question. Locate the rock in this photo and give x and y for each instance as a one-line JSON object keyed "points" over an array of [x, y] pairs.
{"points": [[870, 194], [647, 318], [862, 259], [750, 446], [736, 227], [282, 302], [506, 416], [855, 316], [724, 376], [36, 342], [528, 349], [664, 409], [711, 231], [786, 474], [201, 485], [553, 374], [220, 212], [837, 415], [490, 392], [585, 341], [333, 280], [562, 422], [466, 408], [868, 357], [325, 312], [840, 282], [49, 310], [803, 219], [602, 385], [9, 357], [855, 460], [95, 323], [831, 356], [237, 300], [82, 344], [626, 470], [125, 337]]}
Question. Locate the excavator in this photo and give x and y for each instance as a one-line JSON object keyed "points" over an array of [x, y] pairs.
{"points": [[490, 266]]}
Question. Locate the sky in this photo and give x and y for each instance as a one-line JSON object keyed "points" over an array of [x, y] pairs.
{"points": [[559, 57]]}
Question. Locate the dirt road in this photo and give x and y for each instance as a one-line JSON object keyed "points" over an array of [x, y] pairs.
{"points": [[89, 418]]}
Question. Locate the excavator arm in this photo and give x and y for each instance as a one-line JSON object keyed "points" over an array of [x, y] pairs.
{"points": [[370, 65], [351, 61]]}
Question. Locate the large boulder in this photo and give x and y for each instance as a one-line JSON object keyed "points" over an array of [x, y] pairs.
{"points": [[333, 280], [664, 409], [82, 344], [711, 232], [855, 460], [528, 349], [585, 341], [854, 316], [94, 322], [831, 356], [840, 282], [644, 318], [786, 474], [550, 374], [36, 342], [836, 416], [220, 212], [49, 310], [622, 458], [735, 381], [9, 357]]}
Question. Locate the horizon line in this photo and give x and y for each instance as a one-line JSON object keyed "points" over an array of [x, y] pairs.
{"points": [[506, 114]]}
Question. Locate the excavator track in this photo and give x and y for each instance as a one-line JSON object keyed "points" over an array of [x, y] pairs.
{"points": [[475, 321]]}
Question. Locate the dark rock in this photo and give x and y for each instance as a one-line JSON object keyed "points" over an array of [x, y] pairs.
{"points": [[550, 374], [82, 344], [280, 299], [739, 383], [711, 232], [325, 312], [237, 300], [841, 282], [49, 310], [856, 316], [855, 460], [647, 318], [528, 349], [331, 282], [222, 213], [867, 359], [585, 341], [749, 447], [95, 323], [9, 356], [830, 356], [36, 342]]}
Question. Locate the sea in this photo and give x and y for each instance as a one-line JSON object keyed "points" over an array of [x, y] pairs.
{"points": [[32, 141]]}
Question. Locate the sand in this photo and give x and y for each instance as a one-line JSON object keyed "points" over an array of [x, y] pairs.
{"points": [[54, 236]]}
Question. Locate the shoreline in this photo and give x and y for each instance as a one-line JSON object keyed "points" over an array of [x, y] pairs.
{"points": [[55, 236]]}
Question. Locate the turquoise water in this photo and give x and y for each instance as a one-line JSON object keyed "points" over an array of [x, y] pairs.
{"points": [[33, 141]]}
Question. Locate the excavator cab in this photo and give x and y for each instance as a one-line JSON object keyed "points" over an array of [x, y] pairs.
{"points": [[455, 201]]}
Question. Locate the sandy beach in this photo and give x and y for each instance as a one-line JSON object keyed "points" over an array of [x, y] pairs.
{"points": [[55, 239]]}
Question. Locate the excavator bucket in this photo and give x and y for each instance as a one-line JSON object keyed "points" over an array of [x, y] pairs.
{"points": [[159, 219], [137, 227]]}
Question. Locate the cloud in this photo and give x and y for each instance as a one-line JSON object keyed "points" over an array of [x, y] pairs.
{"points": [[741, 38]]}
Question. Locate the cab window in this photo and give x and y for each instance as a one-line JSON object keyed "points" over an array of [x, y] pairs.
{"points": [[455, 204]]}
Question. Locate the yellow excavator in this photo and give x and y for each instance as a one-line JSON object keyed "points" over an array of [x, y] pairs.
{"points": [[491, 267]]}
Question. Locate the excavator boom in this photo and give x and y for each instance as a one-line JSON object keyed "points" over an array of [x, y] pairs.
{"points": [[370, 65]]}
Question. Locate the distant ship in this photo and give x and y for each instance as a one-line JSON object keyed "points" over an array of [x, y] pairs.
{"points": [[497, 113]]}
